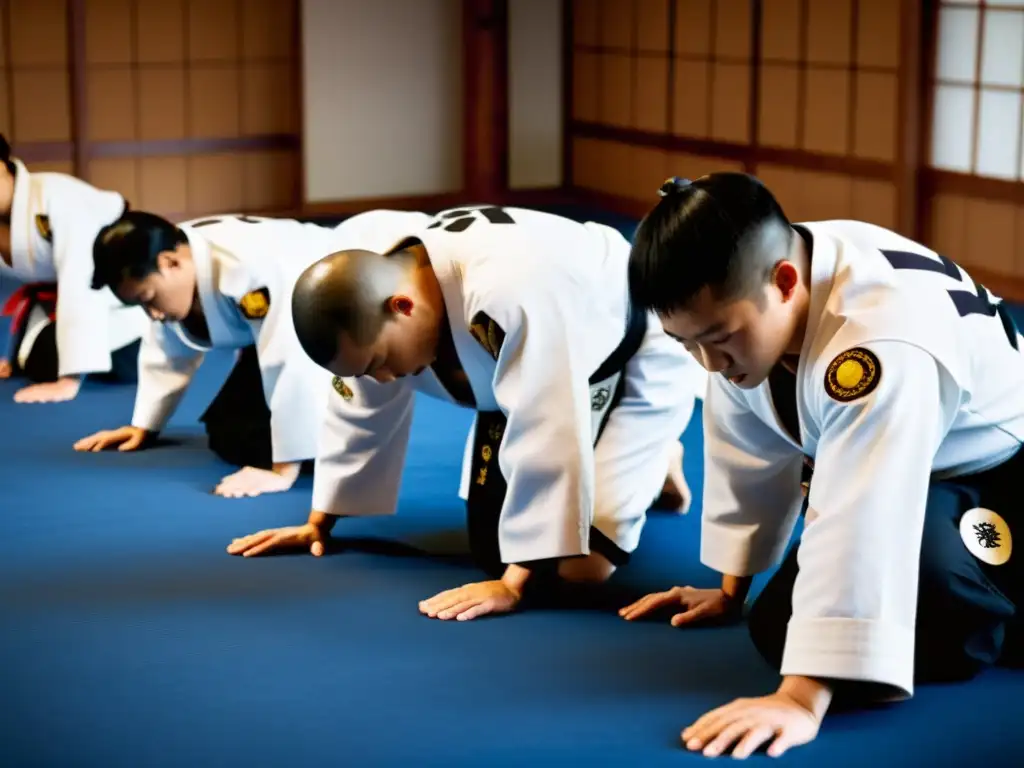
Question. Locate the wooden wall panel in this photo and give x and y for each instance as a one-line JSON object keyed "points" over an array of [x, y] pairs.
{"points": [[973, 188], [802, 93], [186, 107], [906, 114]]}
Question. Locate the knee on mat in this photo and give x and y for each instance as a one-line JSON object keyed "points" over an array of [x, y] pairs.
{"points": [[592, 569]]}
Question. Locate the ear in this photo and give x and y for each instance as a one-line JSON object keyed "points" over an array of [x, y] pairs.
{"points": [[166, 260], [400, 305], [786, 279]]}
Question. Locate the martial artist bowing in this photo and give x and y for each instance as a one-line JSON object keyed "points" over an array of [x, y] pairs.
{"points": [[226, 283], [61, 330], [902, 381], [524, 317]]}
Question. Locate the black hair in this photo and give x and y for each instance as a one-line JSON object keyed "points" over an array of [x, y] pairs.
{"points": [[722, 231], [127, 249], [5, 155], [345, 293]]}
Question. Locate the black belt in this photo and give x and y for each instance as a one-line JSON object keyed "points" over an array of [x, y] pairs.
{"points": [[487, 486]]}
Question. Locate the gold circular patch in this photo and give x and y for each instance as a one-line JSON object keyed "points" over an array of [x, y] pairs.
{"points": [[255, 305], [852, 374], [341, 387]]}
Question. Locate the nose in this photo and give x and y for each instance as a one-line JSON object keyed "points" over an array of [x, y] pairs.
{"points": [[383, 376], [155, 314], [712, 360]]}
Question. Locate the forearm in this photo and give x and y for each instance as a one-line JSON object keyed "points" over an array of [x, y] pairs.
{"points": [[161, 388]]}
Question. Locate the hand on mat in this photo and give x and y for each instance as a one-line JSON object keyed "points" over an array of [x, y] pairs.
{"points": [[471, 601], [125, 438], [49, 392], [700, 605], [5, 368], [250, 481], [276, 539], [783, 719]]}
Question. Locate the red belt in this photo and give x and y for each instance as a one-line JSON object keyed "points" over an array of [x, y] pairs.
{"points": [[27, 296]]}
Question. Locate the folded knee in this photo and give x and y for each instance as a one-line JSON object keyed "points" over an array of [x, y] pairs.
{"points": [[592, 569]]}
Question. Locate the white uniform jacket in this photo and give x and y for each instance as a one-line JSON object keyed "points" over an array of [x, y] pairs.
{"points": [[907, 372], [246, 269], [535, 303], [54, 221]]}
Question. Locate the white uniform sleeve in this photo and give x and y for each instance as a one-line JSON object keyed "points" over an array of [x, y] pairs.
{"points": [[294, 387], [630, 459], [547, 454], [855, 598], [752, 493], [166, 366], [83, 315], [362, 449]]}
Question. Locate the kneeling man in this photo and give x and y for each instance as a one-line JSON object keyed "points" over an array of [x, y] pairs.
{"points": [[226, 283], [524, 317]]}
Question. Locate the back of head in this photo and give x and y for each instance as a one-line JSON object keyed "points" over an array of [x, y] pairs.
{"points": [[344, 293], [128, 248], [724, 232]]}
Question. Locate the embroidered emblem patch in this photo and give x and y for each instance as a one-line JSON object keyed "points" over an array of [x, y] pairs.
{"points": [[43, 227], [341, 387], [488, 333], [255, 304], [600, 398], [986, 536], [852, 374]]}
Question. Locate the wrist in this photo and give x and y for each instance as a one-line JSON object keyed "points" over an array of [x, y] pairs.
{"points": [[810, 693], [735, 589], [515, 578], [321, 521]]}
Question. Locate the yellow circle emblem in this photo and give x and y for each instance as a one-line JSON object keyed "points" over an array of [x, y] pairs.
{"points": [[849, 374], [852, 374], [255, 305]]}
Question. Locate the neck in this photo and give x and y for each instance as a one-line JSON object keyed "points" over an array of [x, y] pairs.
{"points": [[425, 280]]}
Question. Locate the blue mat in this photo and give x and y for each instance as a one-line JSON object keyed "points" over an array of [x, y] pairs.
{"points": [[130, 638]]}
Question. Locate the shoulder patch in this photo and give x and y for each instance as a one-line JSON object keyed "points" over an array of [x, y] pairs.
{"points": [[43, 227], [341, 387], [488, 333], [255, 304], [852, 374]]}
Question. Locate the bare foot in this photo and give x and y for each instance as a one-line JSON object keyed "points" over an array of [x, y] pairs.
{"points": [[251, 481], [59, 391], [675, 494]]}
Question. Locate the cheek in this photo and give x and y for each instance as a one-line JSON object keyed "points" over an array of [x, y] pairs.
{"points": [[746, 346]]}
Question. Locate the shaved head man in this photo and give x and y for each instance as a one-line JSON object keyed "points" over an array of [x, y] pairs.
{"points": [[525, 318]]}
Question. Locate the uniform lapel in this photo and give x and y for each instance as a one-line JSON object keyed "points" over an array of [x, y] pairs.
{"points": [[223, 319]]}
